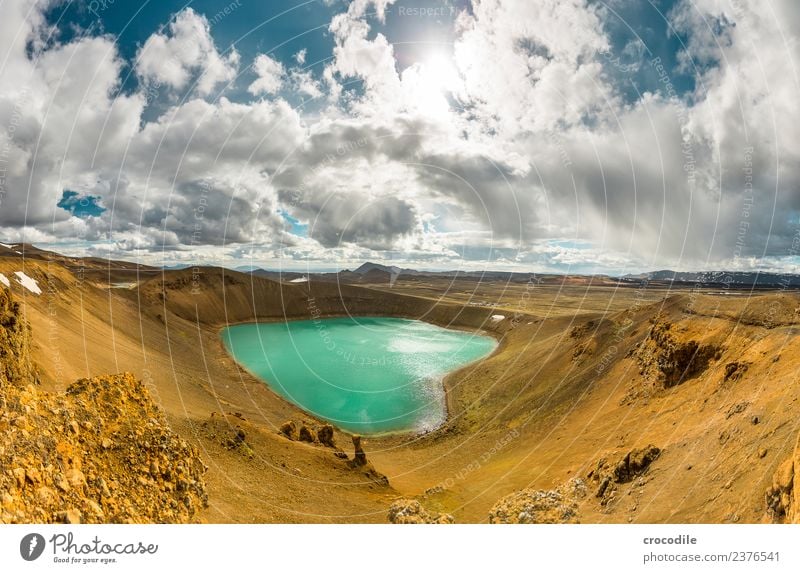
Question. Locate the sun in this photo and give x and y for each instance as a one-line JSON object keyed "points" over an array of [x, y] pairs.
{"points": [[441, 71], [433, 81]]}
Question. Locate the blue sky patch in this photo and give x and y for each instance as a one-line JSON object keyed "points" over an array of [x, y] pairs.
{"points": [[641, 33], [280, 28], [295, 226], [82, 206]]}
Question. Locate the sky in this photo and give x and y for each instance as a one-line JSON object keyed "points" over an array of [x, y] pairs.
{"points": [[569, 136]]}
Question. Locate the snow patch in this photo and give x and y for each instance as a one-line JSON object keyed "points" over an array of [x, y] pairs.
{"points": [[7, 246], [28, 282], [4, 280], [300, 280], [498, 317]]}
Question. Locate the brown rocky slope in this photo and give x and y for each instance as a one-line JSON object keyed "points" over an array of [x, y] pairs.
{"points": [[100, 452]]}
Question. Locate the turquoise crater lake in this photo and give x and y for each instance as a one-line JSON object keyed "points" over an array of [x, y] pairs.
{"points": [[366, 375]]}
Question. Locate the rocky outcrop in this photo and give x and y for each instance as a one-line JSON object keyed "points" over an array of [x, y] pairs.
{"points": [[559, 505], [360, 462], [308, 432], [635, 463], [16, 366], [607, 472], [288, 429], [409, 511], [100, 453], [325, 436], [666, 359], [783, 497], [734, 371], [305, 434], [359, 456]]}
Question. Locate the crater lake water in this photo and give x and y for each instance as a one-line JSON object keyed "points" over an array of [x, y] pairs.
{"points": [[365, 375]]}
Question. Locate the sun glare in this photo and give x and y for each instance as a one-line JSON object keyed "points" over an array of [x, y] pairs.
{"points": [[437, 79], [442, 72]]}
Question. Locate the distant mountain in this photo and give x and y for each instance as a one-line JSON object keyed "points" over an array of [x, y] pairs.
{"points": [[177, 267], [367, 267], [372, 272], [737, 279]]}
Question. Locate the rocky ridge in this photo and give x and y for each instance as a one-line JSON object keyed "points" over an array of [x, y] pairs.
{"points": [[666, 360]]}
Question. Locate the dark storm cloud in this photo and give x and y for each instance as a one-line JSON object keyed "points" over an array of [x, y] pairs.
{"points": [[374, 224]]}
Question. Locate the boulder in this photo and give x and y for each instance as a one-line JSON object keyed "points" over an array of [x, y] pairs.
{"points": [[559, 505], [607, 473], [305, 434], [289, 429], [325, 436]]}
